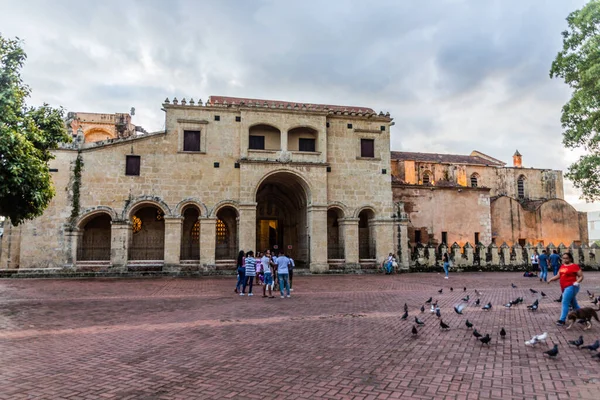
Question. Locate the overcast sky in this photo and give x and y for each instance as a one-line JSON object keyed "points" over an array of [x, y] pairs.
{"points": [[456, 75]]}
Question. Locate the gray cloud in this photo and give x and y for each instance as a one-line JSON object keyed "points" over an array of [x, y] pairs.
{"points": [[457, 75]]}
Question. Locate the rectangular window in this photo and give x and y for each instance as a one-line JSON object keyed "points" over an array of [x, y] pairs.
{"points": [[132, 165], [217, 117], [191, 140], [445, 238], [417, 236], [476, 238], [257, 142], [367, 148], [238, 119], [306, 145]]}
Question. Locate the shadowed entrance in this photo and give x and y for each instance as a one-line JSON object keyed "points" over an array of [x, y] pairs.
{"points": [[281, 217]]}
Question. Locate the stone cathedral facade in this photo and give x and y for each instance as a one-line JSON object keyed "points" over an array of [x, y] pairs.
{"points": [[311, 180], [318, 182]]}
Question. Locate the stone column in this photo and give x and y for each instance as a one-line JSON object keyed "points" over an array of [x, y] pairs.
{"points": [[383, 229], [172, 243], [349, 230], [505, 251], [317, 230], [72, 238], [482, 254], [119, 244], [574, 249], [469, 254], [587, 259], [403, 251], [494, 256], [208, 242], [431, 256], [457, 257], [247, 227], [517, 250]]}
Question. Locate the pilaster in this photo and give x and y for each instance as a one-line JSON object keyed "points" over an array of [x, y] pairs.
{"points": [[349, 228], [119, 244], [208, 241], [172, 243], [247, 226], [72, 239], [317, 223], [384, 238]]}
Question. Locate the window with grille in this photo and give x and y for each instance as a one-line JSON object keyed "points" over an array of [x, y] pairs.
{"points": [[367, 148], [257, 142], [132, 165], [196, 231], [474, 180], [521, 187], [191, 140], [306, 145], [445, 238], [426, 180], [221, 232]]}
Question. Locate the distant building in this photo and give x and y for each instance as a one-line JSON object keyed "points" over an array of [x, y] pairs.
{"points": [[593, 219]]}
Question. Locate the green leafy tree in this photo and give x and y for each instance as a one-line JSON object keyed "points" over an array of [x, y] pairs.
{"points": [[578, 63], [26, 137]]}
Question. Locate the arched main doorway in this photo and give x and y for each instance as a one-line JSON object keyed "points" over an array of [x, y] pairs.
{"points": [[366, 238], [147, 234], [190, 234], [94, 244], [281, 216], [226, 234]]}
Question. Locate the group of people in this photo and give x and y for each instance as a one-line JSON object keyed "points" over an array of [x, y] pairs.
{"points": [[543, 261], [273, 271], [390, 264]]}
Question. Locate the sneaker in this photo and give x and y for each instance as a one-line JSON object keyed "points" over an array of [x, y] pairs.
{"points": [[560, 322], [282, 297], [250, 294], [241, 294], [445, 277], [291, 290], [289, 295]]}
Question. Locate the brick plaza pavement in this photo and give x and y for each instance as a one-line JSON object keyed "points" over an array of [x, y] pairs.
{"points": [[338, 337]]}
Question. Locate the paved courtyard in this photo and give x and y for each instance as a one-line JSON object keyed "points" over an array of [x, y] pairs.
{"points": [[337, 337]]}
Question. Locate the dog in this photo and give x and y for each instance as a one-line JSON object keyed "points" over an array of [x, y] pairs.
{"points": [[585, 314]]}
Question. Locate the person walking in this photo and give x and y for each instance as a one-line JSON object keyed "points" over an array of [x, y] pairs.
{"points": [[250, 272], [291, 269], [570, 276], [446, 263], [543, 260], [555, 262], [283, 272], [241, 273], [268, 274]]}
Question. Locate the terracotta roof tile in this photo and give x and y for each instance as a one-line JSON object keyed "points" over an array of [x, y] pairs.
{"points": [[237, 100], [441, 158]]}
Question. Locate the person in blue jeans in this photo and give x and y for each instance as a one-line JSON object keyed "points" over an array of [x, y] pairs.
{"points": [[543, 260], [446, 264], [241, 272], [570, 276], [555, 262], [283, 273]]}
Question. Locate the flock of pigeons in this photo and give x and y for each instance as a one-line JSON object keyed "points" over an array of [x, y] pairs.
{"points": [[486, 339]]}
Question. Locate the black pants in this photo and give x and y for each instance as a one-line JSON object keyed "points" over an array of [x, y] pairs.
{"points": [[291, 274], [248, 282]]}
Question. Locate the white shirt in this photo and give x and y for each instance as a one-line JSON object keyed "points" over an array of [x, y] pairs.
{"points": [[265, 263]]}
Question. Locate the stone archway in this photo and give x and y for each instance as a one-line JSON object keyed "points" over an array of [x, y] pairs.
{"points": [[147, 234], [94, 244], [366, 237], [282, 217], [335, 240], [190, 234], [226, 232]]}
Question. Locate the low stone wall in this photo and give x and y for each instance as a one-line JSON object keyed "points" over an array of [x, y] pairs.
{"points": [[493, 258]]}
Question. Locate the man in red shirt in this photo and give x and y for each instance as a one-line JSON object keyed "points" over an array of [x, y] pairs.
{"points": [[570, 276]]}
